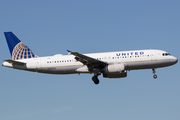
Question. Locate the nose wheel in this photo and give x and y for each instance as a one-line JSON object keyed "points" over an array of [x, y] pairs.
{"points": [[154, 76]]}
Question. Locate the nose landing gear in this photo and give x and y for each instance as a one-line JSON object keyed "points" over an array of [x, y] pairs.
{"points": [[154, 76]]}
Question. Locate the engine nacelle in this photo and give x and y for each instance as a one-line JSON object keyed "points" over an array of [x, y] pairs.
{"points": [[115, 71], [114, 68], [115, 75]]}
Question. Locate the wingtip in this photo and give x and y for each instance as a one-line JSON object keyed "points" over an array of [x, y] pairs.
{"points": [[69, 51]]}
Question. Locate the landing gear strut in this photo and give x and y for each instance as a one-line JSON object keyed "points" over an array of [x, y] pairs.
{"points": [[154, 76]]}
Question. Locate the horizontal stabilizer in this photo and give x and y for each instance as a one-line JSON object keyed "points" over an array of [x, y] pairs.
{"points": [[14, 62]]}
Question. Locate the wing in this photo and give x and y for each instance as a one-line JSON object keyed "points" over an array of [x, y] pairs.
{"points": [[89, 61]]}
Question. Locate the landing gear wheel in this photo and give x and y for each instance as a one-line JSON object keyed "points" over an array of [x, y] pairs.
{"points": [[95, 80], [155, 76]]}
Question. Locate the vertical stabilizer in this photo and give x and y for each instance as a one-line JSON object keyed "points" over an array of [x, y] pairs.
{"points": [[17, 48]]}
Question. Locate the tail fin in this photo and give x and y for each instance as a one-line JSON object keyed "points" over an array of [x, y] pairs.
{"points": [[17, 48]]}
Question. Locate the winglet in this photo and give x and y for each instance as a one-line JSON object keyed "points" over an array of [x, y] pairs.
{"points": [[69, 52]]}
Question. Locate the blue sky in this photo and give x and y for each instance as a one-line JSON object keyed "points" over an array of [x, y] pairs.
{"points": [[52, 27]]}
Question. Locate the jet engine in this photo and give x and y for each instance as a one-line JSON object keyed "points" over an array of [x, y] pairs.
{"points": [[114, 68], [115, 71]]}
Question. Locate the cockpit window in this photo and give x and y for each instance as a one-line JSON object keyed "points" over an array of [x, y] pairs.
{"points": [[165, 54]]}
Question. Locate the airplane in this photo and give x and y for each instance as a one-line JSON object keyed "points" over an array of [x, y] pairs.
{"points": [[109, 64]]}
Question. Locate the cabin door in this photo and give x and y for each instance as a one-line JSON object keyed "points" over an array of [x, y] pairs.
{"points": [[153, 56], [38, 64]]}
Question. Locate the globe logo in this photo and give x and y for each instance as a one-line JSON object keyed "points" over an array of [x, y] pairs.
{"points": [[21, 51]]}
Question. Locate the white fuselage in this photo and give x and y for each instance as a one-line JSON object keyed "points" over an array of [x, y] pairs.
{"points": [[66, 64]]}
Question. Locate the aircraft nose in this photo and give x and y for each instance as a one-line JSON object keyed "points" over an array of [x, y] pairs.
{"points": [[174, 60]]}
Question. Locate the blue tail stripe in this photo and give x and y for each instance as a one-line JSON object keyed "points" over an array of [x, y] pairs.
{"points": [[12, 40]]}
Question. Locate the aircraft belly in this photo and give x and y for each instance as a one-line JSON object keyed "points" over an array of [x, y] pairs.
{"points": [[60, 70], [147, 64]]}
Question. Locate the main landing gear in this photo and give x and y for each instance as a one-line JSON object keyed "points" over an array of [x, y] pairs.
{"points": [[154, 76], [95, 79]]}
